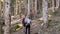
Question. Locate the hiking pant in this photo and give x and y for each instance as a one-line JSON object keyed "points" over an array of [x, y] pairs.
{"points": [[28, 29]]}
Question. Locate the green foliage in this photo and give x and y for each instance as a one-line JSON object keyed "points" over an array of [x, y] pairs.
{"points": [[50, 12], [2, 31], [48, 25], [58, 28], [12, 1], [54, 12], [2, 22], [15, 26]]}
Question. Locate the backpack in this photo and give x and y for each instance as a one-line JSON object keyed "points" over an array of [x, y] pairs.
{"points": [[23, 21]]}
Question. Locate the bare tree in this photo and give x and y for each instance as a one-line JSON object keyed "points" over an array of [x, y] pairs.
{"points": [[7, 16], [53, 6], [20, 8], [15, 7], [45, 11], [0, 19], [25, 6], [32, 4], [28, 14], [59, 6], [35, 8], [32, 9], [0, 8], [57, 3]]}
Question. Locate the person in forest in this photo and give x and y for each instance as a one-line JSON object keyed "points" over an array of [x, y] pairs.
{"points": [[26, 23]]}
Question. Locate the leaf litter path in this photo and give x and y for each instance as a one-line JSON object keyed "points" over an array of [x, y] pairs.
{"points": [[35, 26]]}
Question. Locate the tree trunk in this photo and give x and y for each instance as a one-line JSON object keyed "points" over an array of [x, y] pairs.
{"points": [[25, 6], [20, 8], [32, 12], [53, 6], [58, 10], [28, 14], [58, 3], [35, 15], [15, 8], [0, 8], [59, 6], [7, 16], [0, 19], [32, 4], [45, 11]]}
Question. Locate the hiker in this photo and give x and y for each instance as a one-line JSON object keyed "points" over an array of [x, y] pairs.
{"points": [[26, 23]]}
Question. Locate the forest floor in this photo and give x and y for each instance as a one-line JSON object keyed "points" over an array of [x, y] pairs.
{"points": [[53, 27], [34, 28]]}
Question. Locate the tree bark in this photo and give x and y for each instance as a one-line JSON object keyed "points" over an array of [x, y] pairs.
{"points": [[35, 15], [25, 6], [28, 14], [58, 3], [59, 6], [7, 16], [45, 11], [20, 8], [53, 6], [15, 8], [0, 19]]}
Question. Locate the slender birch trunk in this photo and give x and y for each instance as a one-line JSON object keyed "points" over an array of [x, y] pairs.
{"points": [[0, 8], [32, 3], [7, 16], [35, 9], [58, 10], [32, 12], [15, 8], [57, 3], [45, 11], [59, 7], [25, 5], [28, 14], [0, 19], [20, 8], [53, 6]]}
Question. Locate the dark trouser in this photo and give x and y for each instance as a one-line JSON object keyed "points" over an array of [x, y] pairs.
{"points": [[28, 29]]}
